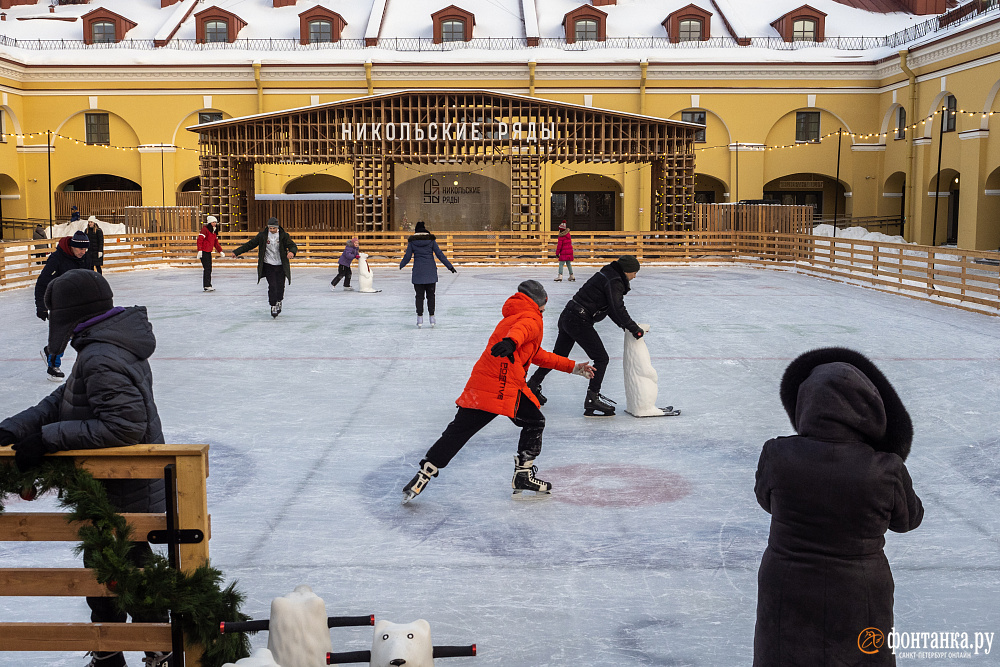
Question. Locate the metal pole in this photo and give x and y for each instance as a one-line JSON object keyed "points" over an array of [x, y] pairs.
{"points": [[737, 172], [163, 190], [937, 179], [1, 216], [836, 197], [48, 152]]}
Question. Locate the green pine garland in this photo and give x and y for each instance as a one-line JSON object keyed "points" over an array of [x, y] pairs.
{"points": [[197, 599]]}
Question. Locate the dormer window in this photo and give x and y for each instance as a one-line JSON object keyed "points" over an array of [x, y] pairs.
{"points": [[102, 32], [215, 26], [320, 25], [585, 24], [689, 30], [452, 24], [804, 30], [688, 24]]}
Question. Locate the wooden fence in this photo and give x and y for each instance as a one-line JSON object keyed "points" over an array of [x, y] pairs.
{"points": [[105, 204], [772, 218], [136, 462], [964, 278], [335, 215], [154, 219]]}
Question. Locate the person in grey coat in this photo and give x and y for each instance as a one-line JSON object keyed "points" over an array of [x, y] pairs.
{"points": [[824, 587], [422, 247], [107, 401]]}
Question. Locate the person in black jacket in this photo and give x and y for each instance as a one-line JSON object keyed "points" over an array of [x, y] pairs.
{"points": [[107, 401], [601, 296], [95, 253], [70, 253], [275, 249], [824, 588]]}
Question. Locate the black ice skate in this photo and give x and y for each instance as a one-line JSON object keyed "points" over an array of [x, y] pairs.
{"points": [[597, 403], [54, 373], [106, 659], [278, 306], [274, 311], [525, 480], [536, 389], [419, 481], [157, 659]]}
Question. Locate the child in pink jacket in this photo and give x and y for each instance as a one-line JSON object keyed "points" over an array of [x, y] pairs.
{"points": [[564, 252]]}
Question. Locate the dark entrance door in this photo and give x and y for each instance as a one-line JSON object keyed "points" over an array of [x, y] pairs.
{"points": [[800, 198], [584, 211], [952, 217]]}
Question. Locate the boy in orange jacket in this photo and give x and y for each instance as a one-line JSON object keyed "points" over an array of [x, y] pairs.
{"points": [[497, 387]]}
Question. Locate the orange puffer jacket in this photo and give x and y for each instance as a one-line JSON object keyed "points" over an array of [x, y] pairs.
{"points": [[495, 383]]}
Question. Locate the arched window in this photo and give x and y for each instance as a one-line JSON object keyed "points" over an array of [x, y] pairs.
{"points": [[804, 30], [320, 31], [950, 113], [901, 123], [689, 30], [453, 30], [586, 30], [102, 32], [216, 31]]}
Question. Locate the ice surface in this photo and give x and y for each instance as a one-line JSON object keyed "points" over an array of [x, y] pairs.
{"points": [[647, 552]]}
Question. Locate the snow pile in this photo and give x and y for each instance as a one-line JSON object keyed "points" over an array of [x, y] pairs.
{"points": [[68, 228], [857, 234], [298, 635]]}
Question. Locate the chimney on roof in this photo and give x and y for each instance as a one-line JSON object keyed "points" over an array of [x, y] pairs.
{"points": [[602, 3]]}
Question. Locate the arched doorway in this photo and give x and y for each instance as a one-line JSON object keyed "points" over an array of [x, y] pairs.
{"points": [[892, 203], [315, 183], [100, 182], [189, 192], [941, 209], [709, 190], [990, 217], [824, 194], [587, 202], [11, 207], [102, 195]]}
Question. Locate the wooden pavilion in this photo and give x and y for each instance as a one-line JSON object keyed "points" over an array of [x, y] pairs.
{"points": [[461, 128]]}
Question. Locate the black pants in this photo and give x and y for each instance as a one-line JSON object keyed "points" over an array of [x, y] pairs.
{"points": [[422, 290], [575, 329], [275, 275], [206, 263], [342, 272], [470, 421]]}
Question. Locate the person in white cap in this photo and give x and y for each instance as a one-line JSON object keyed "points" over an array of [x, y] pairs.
{"points": [[208, 241]]}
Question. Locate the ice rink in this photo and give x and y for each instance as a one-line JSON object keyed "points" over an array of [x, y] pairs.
{"points": [[647, 552]]}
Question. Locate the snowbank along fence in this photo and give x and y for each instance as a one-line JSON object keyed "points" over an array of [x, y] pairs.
{"points": [[964, 278], [135, 462]]}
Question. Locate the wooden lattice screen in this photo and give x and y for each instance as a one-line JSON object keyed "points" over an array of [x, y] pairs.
{"points": [[449, 127]]}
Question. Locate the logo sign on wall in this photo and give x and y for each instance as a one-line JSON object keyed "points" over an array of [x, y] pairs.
{"points": [[432, 191]]}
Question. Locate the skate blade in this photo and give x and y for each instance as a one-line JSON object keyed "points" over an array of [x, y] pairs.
{"points": [[527, 494], [593, 413], [407, 497], [667, 412]]}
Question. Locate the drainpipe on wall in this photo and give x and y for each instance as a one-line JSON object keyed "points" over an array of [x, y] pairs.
{"points": [[911, 116], [531, 78], [643, 68], [260, 87], [368, 77]]}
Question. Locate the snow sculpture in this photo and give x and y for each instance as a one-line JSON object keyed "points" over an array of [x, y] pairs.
{"points": [[367, 279], [395, 643], [640, 378], [259, 658], [298, 635]]}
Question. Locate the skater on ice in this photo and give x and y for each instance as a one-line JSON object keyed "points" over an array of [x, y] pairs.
{"points": [[832, 491], [497, 387], [95, 253], [107, 401], [422, 246], [603, 295], [70, 253], [208, 242], [564, 252], [275, 249], [351, 252]]}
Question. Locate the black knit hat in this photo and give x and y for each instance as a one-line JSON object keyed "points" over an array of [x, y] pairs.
{"points": [[534, 289], [272, 222], [74, 297], [898, 428], [79, 240], [420, 228], [628, 263]]}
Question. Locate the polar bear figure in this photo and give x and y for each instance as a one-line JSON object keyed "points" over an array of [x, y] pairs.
{"points": [[366, 278], [641, 379], [298, 635], [259, 658], [398, 642]]}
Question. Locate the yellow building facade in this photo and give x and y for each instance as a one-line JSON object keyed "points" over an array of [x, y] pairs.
{"points": [[753, 110]]}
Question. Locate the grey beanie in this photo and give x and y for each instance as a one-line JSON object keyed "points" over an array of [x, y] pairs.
{"points": [[273, 222], [534, 289], [628, 263]]}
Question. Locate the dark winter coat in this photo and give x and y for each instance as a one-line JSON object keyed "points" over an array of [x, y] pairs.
{"points": [[59, 262], [349, 255], [107, 401], [208, 239], [832, 492], [95, 253], [423, 247], [603, 295], [285, 244], [38, 232]]}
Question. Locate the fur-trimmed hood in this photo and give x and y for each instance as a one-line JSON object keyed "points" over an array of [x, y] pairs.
{"points": [[421, 236], [832, 392]]}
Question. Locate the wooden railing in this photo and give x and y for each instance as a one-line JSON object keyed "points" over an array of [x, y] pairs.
{"points": [[768, 218], [964, 278], [136, 462], [102, 203], [160, 219]]}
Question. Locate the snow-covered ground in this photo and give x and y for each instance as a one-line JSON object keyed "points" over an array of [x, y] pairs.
{"points": [[646, 555]]}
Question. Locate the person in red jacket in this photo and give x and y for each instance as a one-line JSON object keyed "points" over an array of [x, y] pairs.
{"points": [[564, 252], [497, 387], [208, 241]]}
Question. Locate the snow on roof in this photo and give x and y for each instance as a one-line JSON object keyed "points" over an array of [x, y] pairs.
{"points": [[412, 18]]}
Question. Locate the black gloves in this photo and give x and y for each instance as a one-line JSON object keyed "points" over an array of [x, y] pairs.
{"points": [[6, 438], [41, 314], [637, 334], [453, 270], [504, 348], [30, 452]]}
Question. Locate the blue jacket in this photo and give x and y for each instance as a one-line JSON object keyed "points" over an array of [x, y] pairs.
{"points": [[349, 255], [422, 247]]}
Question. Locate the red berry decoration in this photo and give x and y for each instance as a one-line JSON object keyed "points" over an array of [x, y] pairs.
{"points": [[29, 492]]}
